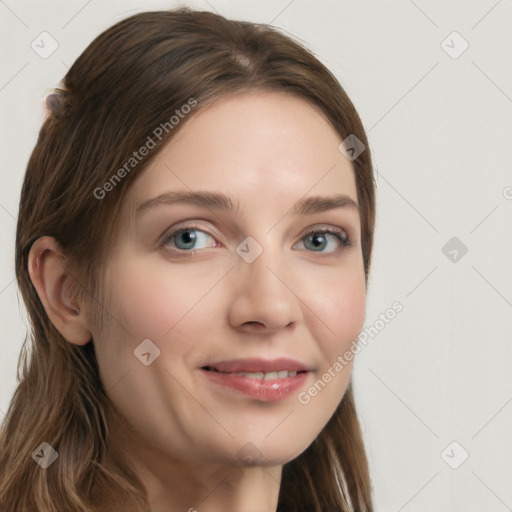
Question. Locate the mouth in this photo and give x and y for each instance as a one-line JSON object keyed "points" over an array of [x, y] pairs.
{"points": [[258, 366], [264, 380], [273, 375]]}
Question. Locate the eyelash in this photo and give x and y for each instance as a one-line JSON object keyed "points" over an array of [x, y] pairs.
{"points": [[339, 233]]}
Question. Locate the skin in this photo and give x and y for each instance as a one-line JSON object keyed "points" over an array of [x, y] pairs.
{"points": [[267, 150]]}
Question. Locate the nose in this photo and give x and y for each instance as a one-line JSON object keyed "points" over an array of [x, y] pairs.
{"points": [[264, 298]]}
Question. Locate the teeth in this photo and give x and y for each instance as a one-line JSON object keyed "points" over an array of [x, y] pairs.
{"points": [[252, 375], [267, 376]]}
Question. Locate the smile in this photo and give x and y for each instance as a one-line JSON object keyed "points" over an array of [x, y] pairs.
{"points": [[264, 380], [282, 374]]}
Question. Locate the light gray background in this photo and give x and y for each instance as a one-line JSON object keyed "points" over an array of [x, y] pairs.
{"points": [[440, 130]]}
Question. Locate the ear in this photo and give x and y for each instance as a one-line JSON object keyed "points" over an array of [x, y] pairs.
{"points": [[47, 270]]}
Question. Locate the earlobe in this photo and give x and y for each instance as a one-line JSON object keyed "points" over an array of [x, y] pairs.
{"points": [[47, 270]]}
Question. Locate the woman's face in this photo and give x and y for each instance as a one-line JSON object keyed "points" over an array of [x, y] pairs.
{"points": [[214, 303]]}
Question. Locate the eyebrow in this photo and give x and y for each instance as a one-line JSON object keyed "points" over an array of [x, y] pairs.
{"points": [[219, 201]]}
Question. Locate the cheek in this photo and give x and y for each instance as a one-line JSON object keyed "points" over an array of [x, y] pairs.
{"points": [[346, 319], [339, 303], [154, 299], [339, 307], [157, 302], [348, 311], [169, 307]]}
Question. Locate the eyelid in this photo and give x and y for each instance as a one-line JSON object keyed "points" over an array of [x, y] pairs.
{"points": [[183, 226], [325, 227]]}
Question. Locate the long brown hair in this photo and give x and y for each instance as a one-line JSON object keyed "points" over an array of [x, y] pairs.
{"points": [[129, 80]]}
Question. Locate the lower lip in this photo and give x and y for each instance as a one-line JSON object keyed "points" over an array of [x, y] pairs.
{"points": [[264, 390]]}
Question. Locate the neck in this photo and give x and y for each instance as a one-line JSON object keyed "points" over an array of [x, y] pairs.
{"points": [[189, 487], [185, 485]]}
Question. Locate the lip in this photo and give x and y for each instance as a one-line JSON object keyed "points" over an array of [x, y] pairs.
{"points": [[223, 374], [263, 390], [258, 365]]}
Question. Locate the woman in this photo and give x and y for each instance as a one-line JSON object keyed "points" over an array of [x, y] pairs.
{"points": [[193, 247]]}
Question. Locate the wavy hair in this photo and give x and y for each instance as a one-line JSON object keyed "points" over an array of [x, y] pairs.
{"points": [[131, 78]]}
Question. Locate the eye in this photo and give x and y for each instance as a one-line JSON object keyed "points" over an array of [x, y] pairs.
{"points": [[190, 239], [186, 238], [318, 239]]}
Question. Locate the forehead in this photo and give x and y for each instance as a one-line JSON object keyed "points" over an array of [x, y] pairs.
{"points": [[258, 146]]}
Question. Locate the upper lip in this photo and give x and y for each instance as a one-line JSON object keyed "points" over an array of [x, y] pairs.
{"points": [[258, 365]]}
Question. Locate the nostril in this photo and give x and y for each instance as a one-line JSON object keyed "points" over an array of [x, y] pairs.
{"points": [[255, 325]]}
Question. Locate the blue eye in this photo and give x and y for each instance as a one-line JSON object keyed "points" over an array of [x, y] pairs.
{"points": [[319, 239], [188, 239]]}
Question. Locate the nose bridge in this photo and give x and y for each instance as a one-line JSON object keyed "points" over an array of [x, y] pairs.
{"points": [[267, 258], [268, 261], [264, 289]]}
